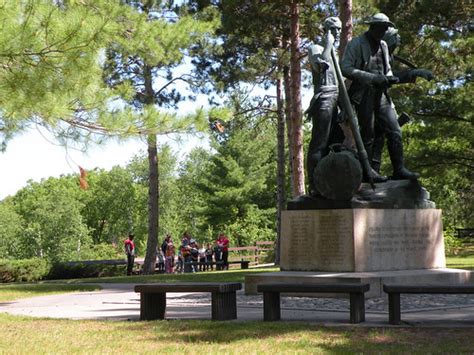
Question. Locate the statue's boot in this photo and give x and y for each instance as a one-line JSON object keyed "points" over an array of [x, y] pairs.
{"points": [[376, 177], [395, 150]]}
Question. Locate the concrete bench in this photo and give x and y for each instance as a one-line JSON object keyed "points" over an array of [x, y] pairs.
{"points": [[394, 291], [153, 298], [271, 297]]}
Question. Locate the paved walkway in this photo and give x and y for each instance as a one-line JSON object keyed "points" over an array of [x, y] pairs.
{"points": [[120, 302]]}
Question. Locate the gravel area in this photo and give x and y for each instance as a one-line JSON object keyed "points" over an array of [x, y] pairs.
{"points": [[375, 305]]}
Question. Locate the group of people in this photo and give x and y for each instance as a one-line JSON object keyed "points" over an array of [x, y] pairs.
{"points": [[367, 61], [191, 257]]}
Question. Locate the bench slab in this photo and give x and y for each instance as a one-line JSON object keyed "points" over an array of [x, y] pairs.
{"points": [[394, 291], [271, 297], [337, 288], [429, 288]]}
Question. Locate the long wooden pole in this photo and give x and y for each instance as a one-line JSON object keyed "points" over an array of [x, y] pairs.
{"points": [[352, 119]]}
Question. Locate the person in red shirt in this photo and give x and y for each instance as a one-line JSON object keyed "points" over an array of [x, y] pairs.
{"points": [[223, 243], [130, 251]]}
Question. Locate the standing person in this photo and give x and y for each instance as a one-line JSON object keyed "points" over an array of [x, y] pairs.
{"points": [[165, 243], [194, 252], [209, 254], [169, 257], [130, 252], [180, 263], [366, 62], [223, 243], [186, 252], [202, 259], [218, 256], [323, 107], [160, 258]]}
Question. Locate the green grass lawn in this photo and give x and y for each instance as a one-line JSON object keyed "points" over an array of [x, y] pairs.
{"points": [[28, 335], [233, 275], [464, 261]]}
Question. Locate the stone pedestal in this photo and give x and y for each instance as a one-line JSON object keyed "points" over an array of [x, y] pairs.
{"points": [[362, 240]]}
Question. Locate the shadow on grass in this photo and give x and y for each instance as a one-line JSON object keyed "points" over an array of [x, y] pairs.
{"points": [[295, 336]]}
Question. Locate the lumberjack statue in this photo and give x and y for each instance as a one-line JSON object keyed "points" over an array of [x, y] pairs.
{"points": [[366, 62], [334, 176], [323, 107]]}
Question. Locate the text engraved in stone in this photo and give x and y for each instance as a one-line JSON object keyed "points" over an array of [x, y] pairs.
{"points": [[399, 239]]}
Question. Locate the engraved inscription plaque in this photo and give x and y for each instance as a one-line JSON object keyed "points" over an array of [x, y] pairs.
{"points": [[362, 240], [317, 240], [398, 240]]}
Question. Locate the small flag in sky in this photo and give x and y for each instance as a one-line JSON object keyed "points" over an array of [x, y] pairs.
{"points": [[83, 184]]}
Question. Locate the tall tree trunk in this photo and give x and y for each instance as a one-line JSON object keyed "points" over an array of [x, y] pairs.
{"points": [[346, 19], [289, 125], [296, 107], [281, 198], [153, 184], [153, 206]]}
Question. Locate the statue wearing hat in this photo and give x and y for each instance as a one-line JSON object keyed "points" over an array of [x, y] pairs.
{"points": [[366, 62], [323, 107], [407, 75]]}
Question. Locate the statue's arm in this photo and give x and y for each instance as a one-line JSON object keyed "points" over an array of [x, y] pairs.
{"points": [[410, 75], [316, 58]]}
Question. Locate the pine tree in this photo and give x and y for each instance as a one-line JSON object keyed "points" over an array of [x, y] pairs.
{"points": [[50, 62], [140, 64]]}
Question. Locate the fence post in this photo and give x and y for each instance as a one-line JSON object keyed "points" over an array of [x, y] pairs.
{"points": [[256, 252]]}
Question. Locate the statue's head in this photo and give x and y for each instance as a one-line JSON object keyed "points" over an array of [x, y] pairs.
{"points": [[334, 25], [392, 38], [378, 25]]}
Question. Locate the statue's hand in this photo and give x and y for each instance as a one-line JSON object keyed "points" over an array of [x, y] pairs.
{"points": [[380, 80], [330, 38], [422, 73], [324, 65]]}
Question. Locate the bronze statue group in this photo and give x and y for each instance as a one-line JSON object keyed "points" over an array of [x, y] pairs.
{"points": [[367, 62]]}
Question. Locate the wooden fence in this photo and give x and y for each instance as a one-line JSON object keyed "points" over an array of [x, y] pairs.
{"points": [[256, 253]]}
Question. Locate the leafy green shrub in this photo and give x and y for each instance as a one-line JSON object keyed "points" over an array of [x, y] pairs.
{"points": [[100, 252], [64, 270], [452, 244], [26, 270]]}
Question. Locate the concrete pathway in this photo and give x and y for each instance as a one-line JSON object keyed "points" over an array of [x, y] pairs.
{"points": [[120, 302]]}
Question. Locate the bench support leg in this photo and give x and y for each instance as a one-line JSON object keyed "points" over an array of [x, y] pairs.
{"points": [[152, 306], [244, 266], [357, 307], [271, 306], [224, 305], [394, 316]]}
